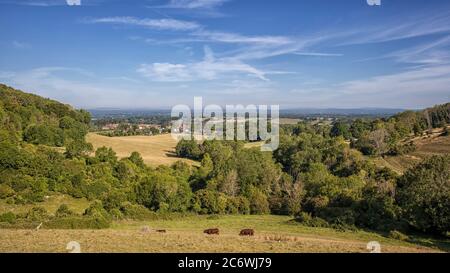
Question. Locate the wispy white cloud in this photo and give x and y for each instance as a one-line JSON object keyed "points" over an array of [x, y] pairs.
{"points": [[433, 52], [46, 3], [405, 29], [123, 79], [78, 87], [162, 24], [21, 45], [318, 54], [235, 38], [195, 4], [73, 2], [419, 87], [209, 68]]}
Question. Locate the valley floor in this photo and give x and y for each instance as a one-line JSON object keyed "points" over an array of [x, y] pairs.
{"points": [[273, 234]]}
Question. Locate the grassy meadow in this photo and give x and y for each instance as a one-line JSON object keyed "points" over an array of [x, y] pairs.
{"points": [[273, 234]]}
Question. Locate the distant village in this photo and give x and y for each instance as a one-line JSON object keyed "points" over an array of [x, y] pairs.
{"points": [[129, 129]]}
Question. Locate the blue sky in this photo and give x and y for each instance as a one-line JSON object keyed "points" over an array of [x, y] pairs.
{"points": [[295, 53]]}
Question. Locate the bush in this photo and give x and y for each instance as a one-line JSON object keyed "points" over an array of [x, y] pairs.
{"points": [[5, 191], [423, 193], [37, 214], [78, 222], [63, 211], [96, 210], [116, 214], [188, 149], [314, 204], [244, 205], [397, 235], [258, 202], [377, 211], [8, 217], [209, 202], [114, 200], [400, 149], [307, 220], [135, 212], [340, 218]]}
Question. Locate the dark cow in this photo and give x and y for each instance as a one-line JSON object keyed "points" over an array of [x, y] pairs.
{"points": [[247, 232], [211, 231], [161, 230]]}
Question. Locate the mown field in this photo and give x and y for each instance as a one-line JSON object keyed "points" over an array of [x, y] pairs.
{"points": [[155, 150], [273, 234]]}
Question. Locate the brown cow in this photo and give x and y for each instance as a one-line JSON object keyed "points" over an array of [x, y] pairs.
{"points": [[161, 230], [247, 232], [211, 231]]}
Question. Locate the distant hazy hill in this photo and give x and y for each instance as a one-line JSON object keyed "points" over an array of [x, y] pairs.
{"points": [[344, 112], [378, 112]]}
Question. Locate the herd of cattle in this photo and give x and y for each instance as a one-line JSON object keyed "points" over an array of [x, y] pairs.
{"points": [[210, 231], [215, 231]]}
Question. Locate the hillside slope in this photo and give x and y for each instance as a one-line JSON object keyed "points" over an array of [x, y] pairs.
{"points": [[37, 120]]}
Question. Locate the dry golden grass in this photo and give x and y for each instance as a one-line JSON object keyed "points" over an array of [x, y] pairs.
{"points": [[274, 234], [290, 121], [433, 145], [426, 146], [136, 241], [155, 150]]}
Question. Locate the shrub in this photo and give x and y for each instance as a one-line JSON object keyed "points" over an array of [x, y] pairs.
{"points": [[78, 222], [307, 220], [96, 210], [135, 212], [209, 202], [63, 211], [258, 202], [37, 214], [397, 235], [114, 200], [314, 204], [5, 191], [8, 217], [244, 205], [116, 214], [338, 217]]}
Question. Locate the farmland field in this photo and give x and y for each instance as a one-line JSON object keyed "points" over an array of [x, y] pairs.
{"points": [[273, 234], [155, 150]]}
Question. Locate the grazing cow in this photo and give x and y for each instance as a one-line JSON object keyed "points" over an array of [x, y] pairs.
{"points": [[247, 232], [161, 230], [211, 231]]}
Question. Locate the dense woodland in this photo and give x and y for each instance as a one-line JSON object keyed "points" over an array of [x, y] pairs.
{"points": [[315, 175]]}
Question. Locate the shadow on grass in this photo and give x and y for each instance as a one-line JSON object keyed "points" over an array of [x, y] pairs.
{"points": [[171, 154], [438, 242], [441, 243]]}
